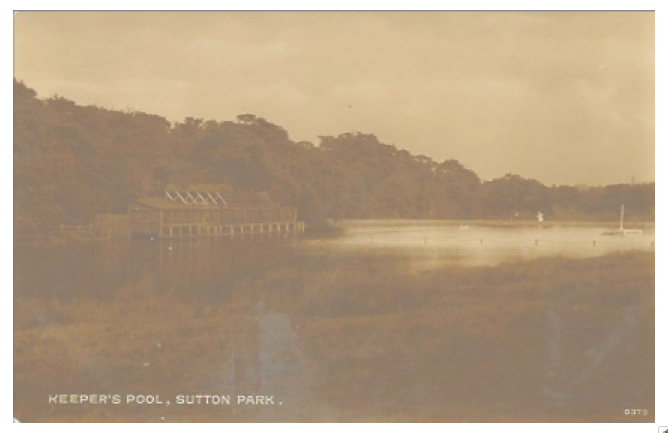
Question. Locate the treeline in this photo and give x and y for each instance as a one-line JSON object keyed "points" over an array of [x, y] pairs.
{"points": [[72, 161]]}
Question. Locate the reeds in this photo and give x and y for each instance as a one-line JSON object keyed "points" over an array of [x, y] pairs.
{"points": [[528, 341]]}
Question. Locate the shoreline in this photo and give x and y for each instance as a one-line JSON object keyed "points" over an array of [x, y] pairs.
{"points": [[60, 239]]}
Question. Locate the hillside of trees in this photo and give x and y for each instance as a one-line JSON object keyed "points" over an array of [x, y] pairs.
{"points": [[72, 162]]}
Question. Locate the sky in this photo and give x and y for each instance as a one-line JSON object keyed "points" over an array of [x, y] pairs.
{"points": [[561, 97]]}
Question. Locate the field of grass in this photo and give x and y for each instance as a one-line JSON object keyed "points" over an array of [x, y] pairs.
{"points": [[353, 339]]}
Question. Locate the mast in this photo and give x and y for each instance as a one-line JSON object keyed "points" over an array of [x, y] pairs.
{"points": [[621, 219]]}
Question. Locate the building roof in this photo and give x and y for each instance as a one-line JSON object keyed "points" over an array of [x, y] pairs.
{"points": [[239, 198], [251, 200], [163, 203]]}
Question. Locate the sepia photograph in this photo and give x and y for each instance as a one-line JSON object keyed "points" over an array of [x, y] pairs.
{"points": [[334, 217]]}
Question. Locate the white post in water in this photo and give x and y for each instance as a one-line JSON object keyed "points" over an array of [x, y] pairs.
{"points": [[621, 219]]}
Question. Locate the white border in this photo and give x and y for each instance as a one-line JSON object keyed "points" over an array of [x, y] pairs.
{"points": [[661, 295]]}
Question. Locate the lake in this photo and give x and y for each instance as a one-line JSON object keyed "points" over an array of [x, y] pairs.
{"points": [[101, 268], [433, 244], [397, 321]]}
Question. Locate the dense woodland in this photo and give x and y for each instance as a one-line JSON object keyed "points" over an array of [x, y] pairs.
{"points": [[72, 162]]}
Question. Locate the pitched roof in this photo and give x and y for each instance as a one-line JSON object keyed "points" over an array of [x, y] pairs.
{"points": [[163, 203], [239, 198]]}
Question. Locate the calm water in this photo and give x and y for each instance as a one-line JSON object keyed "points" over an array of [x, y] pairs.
{"points": [[69, 271], [270, 318], [433, 245]]}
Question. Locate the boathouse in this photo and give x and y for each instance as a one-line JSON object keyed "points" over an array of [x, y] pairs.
{"points": [[202, 212]]}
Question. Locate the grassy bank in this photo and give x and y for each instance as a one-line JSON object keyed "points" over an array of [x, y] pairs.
{"points": [[351, 339]]}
